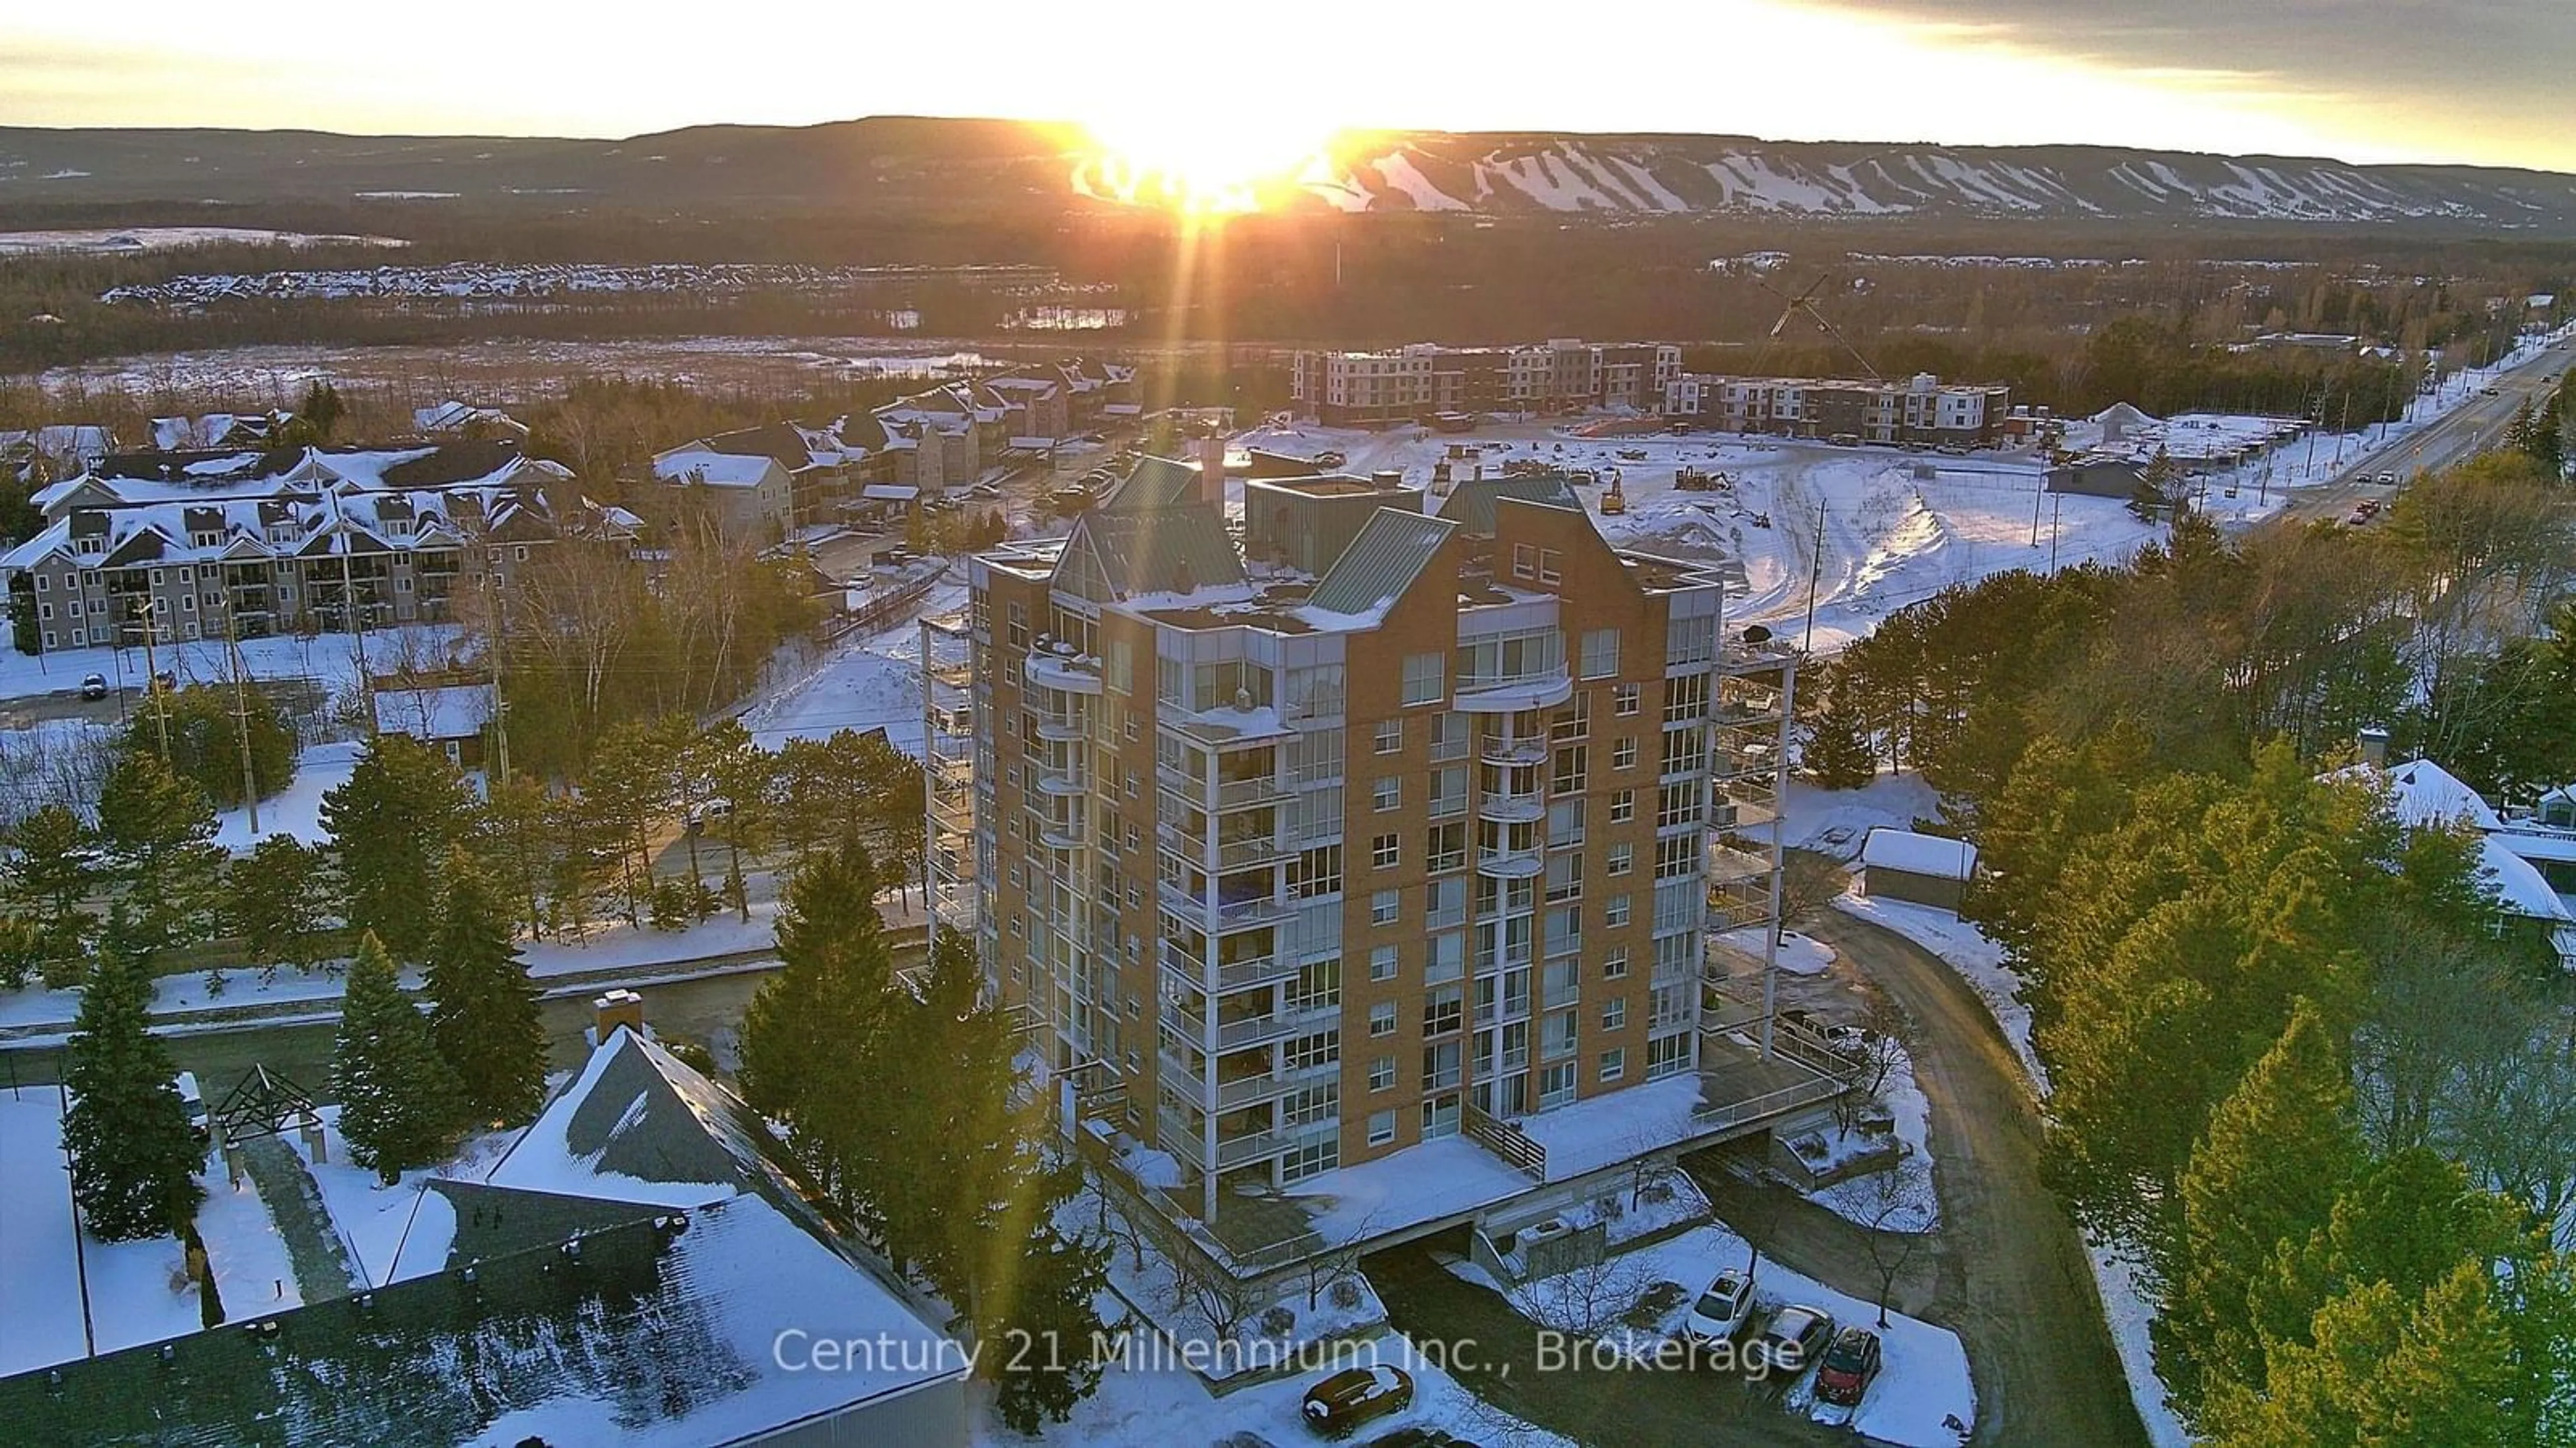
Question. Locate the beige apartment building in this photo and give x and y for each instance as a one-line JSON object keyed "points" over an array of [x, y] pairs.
{"points": [[1367, 829]]}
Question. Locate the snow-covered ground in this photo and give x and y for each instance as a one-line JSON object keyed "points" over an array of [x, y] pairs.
{"points": [[864, 682], [329, 658], [1965, 949], [1925, 1380], [2125, 1308], [297, 809], [1835, 822], [1798, 954], [1898, 526], [136, 1292], [1901, 1198], [164, 238]]}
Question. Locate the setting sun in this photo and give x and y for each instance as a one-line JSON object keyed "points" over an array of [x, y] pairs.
{"points": [[1201, 160]]}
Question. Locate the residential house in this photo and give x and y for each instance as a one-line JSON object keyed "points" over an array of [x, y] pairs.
{"points": [[641, 1264], [466, 420], [2528, 859]]}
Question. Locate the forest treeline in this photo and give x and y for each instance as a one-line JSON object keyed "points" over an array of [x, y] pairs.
{"points": [[2301, 1060]]}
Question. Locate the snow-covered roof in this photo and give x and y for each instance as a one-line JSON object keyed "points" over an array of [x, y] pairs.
{"points": [[889, 492], [717, 469], [1916, 854], [457, 711], [2424, 793], [2518, 884]]}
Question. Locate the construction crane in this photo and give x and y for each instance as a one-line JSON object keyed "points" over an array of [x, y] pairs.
{"points": [[1805, 302]]}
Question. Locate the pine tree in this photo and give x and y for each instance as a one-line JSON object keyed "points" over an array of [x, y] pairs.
{"points": [[53, 866], [134, 1158], [393, 821], [2382, 1368], [397, 1097], [1044, 1295], [483, 1005], [1838, 753], [158, 830], [280, 900], [2267, 1172], [814, 1033]]}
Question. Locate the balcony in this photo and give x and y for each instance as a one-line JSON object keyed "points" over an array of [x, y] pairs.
{"points": [[1058, 727], [1233, 1151], [1235, 975], [1509, 864], [1244, 1091], [1225, 915], [1060, 782], [1249, 791], [1060, 834], [1064, 671], [1524, 808], [1264, 1030], [1509, 694]]}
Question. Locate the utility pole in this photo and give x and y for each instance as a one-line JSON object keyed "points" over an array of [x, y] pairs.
{"points": [[2054, 508], [1815, 571], [152, 667], [500, 707], [241, 715]]}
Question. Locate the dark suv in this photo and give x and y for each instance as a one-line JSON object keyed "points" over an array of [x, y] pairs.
{"points": [[1355, 1396]]}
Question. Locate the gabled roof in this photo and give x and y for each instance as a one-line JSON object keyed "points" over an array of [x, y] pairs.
{"points": [[1382, 562], [1154, 482], [715, 469], [2426, 793], [782, 443], [452, 462], [1471, 503], [1178, 549]]}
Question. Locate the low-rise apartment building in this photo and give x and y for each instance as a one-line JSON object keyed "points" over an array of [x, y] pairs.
{"points": [[188, 546], [1921, 409], [1424, 378]]}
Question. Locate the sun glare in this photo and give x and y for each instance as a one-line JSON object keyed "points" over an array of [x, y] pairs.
{"points": [[1203, 159]]}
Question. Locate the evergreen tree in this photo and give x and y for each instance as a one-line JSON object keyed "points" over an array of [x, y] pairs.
{"points": [[814, 1033], [394, 820], [483, 1008], [2266, 1173], [158, 831], [134, 1158], [2382, 1369], [281, 901], [52, 868], [1838, 753], [322, 408], [1043, 1293], [629, 787], [206, 740], [397, 1097]]}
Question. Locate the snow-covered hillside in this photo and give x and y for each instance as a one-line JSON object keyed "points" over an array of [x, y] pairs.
{"points": [[1644, 175]]}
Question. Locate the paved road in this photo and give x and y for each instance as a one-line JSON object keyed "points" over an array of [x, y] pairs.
{"points": [[2471, 428], [1615, 1408], [2013, 1281], [700, 1010]]}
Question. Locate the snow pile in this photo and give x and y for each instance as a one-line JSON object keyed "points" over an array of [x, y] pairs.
{"points": [[860, 684], [1835, 822]]}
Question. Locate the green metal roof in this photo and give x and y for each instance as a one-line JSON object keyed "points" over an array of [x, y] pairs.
{"points": [[1471, 503], [1381, 562], [1154, 482], [1156, 550]]}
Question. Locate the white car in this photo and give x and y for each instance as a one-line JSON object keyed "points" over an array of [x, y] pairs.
{"points": [[1722, 1310]]}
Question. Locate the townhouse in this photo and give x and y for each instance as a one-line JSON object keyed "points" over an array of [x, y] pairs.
{"points": [[1344, 387], [1921, 409]]}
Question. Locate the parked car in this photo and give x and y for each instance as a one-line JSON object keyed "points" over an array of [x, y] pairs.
{"points": [[1355, 1396], [2385, 480], [1722, 1310], [986, 491], [1850, 1364], [1330, 459], [1791, 1343], [94, 686]]}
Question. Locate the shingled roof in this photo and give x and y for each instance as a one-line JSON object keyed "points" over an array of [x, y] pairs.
{"points": [[1122, 554]]}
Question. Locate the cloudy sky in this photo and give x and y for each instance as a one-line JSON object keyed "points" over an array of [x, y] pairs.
{"points": [[2482, 81]]}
